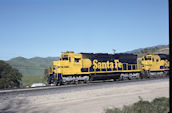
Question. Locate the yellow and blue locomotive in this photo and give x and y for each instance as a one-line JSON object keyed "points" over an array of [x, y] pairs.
{"points": [[89, 66], [85, 67], [155, 64]]}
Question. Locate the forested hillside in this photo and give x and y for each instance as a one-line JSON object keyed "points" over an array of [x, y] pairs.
{"points": [[164, 49], [32, 66]]}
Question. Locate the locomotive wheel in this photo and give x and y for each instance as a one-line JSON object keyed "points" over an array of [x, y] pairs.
{"points": [[166, 73], [145, 74], [76, 82], [81, 82], [114, 79], [121, 78], [87, 82], [49, 81], [142, 74], [129, 78], [57, 82], [91, 78], [148, 74]]}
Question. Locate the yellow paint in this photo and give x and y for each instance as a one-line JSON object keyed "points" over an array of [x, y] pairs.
{"points": [[153, 62], [105, 65]]}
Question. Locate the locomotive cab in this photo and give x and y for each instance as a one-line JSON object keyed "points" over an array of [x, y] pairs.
{"points": [[70, 64], [155, 63], [147, 62]]}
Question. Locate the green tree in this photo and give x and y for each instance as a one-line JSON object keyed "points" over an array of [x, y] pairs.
{"points": [[9, 77], [45, 74]]}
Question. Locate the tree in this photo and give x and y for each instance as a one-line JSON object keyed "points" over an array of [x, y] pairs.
{"points": [[45, 74], [9, 76]]}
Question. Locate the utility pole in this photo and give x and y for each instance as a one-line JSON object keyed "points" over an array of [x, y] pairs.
{"points": [[113, 51]]}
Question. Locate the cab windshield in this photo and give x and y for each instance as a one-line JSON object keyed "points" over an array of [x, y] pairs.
{"points": [[148, 58], [65, 57]]}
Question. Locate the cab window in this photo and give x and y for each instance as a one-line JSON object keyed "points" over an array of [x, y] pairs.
{"points": [[65, 58], [77, 60], [153, 59], [148, 58]]}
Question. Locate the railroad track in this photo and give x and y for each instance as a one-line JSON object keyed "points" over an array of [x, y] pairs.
{"points": [[46, 88]]}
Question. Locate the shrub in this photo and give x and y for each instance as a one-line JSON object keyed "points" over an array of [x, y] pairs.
{"points": [[158, 105]]}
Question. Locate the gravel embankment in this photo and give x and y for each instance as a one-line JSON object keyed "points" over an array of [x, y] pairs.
{"points": [[83, 99]]}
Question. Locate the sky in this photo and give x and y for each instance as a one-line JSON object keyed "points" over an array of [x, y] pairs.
{"points": [[43, 28]]}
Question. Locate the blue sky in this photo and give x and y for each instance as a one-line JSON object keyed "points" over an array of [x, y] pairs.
{"points": [[45, 28]]}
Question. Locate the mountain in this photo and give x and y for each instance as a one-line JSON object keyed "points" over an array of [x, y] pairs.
{"points": [[32, 66], [164, 49]]}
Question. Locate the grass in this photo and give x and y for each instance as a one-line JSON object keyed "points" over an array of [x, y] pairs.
{"points": [[158, 105], [29, 80]]}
